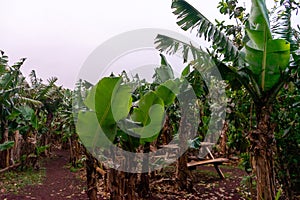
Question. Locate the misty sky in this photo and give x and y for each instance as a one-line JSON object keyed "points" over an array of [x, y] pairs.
{"points": [[57, 36]]}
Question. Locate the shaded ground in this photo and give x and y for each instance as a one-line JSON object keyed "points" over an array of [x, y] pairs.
{"points": [[60, 183]]}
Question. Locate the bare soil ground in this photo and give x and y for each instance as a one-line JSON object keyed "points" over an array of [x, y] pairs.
{"points": [[60, 183], [207, 185]]}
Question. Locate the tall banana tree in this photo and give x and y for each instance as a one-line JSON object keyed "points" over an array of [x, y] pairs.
{"points": [[13, 101], [51, 97], [8, 83], [262, 66]]}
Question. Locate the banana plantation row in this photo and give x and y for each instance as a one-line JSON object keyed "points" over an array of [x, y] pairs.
{"points": [[257, 58]]}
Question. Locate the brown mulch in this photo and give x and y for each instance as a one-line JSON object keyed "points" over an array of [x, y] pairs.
{"points": [[61, 183], [207, 185]]}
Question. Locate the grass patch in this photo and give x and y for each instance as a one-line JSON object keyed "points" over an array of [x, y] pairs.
{"points": [[72, 168], [13, 181], [207, 172]]}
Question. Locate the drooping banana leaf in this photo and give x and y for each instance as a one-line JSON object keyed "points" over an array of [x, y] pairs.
{"points": [[171, 46], [187, 51], [267, 58], [190, 18], [202, 59]]}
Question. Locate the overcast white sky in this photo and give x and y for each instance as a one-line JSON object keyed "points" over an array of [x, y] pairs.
{"points": [[56, 36]]}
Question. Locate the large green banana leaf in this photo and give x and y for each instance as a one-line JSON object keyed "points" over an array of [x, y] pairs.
{"points": [[89, 101], [168, 91], [112, 104], [90, 132], [267, 58], [150, 114]]}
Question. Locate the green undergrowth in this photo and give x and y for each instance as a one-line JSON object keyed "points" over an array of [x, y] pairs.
{"points": [[14, 181], [73, 169]]}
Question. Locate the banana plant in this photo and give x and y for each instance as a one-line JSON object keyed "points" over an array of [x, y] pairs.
{"points": [[118, 113], [262, 67], [17, 107], [267, 58], [11, 86], [110, 101]]}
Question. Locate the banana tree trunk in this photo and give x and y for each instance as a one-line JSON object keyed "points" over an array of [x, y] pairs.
{"points": [[130, 187], [262, 149], [116, 184], [182, 172], [91, 176], [143, 186], [17, 146], [166, 134], [47, 136], [75, 149], [4, 155], [223, 140]]}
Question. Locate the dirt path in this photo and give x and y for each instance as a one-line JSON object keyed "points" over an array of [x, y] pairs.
{"points": [[58, 184]]}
